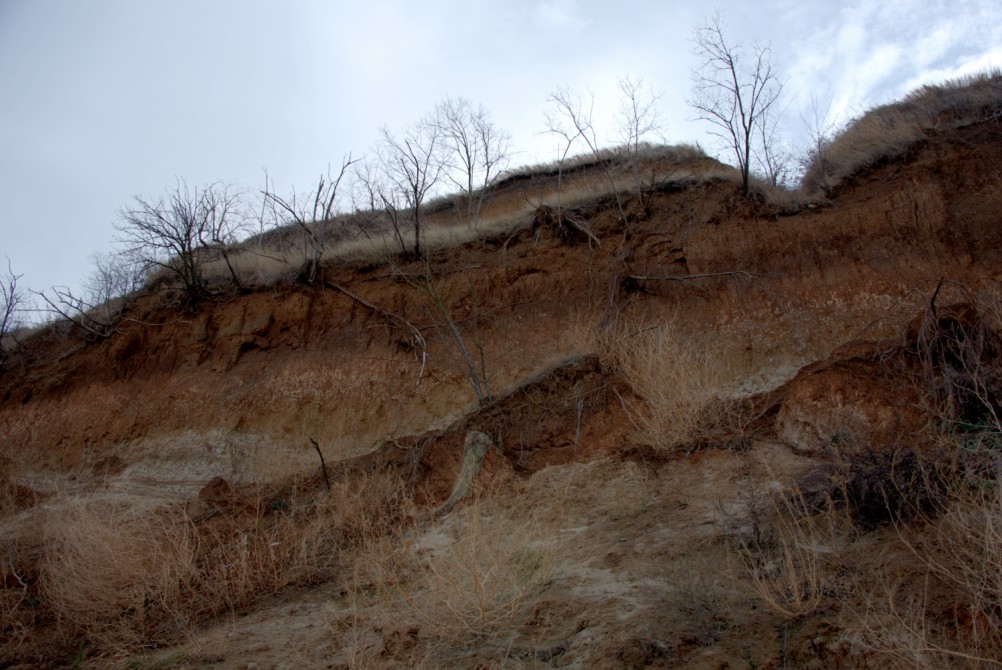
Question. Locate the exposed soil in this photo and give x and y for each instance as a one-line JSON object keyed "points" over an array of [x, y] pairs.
{"points": [[190, 406]]}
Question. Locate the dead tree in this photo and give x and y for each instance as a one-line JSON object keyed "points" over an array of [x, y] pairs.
{"points": [[179, 232], [734, 96], [12, 299], [313, 213], [413, 165], [476, 151]]}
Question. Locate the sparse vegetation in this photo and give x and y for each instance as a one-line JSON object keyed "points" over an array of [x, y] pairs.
{"points": [[180, 232], [12, 301], [740, 98]]}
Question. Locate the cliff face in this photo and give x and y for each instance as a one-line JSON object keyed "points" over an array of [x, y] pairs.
{"points": [[175, 457], [236, 388]]}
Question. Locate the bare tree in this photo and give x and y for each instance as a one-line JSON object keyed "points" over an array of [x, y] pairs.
{"points": [[376, 202], [12, 299], [773, 157], [108, 290], [478, 151], [736, 97], [412, 164], [313, 213], [567, 108], [571, 120], [181, 231], [821, 128], [638, 118]]}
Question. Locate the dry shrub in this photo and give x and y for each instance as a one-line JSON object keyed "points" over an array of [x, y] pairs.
{"points": [[678, 377], [795, 557], [484, 582], [118, 577], [947, 611]]}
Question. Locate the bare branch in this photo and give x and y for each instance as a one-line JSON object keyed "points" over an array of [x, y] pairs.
{"points": [[181, 231], [412, 165], [734, 97], [313, 215], [12, 299], [477, 151], [638, 117]]}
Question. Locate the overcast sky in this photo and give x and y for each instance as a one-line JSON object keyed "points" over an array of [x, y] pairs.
{"points": [[103, 100]]}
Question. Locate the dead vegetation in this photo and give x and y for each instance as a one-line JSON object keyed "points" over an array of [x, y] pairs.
{"points": [[888, 132]]}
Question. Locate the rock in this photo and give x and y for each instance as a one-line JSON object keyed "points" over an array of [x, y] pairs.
{"points": [[854, 403]]}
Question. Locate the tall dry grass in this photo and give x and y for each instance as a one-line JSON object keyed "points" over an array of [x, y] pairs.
{"points": [[484, 583], [120, 581], [679, 376], [795, 552], [889, 131], [473, 577], [942, 605]]}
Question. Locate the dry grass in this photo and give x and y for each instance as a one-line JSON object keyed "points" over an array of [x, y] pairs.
{"points": [[679, 377], [472, 578], [119, 581], [945, 609], [280, 254], [793, 559], [118, 578], [484, 582], [888, 132]]}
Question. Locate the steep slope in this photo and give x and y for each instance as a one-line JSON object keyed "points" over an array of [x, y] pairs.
{"points": [[373, 363]]}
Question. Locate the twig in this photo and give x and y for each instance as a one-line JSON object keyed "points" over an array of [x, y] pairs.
{"points": [[323, 465]]}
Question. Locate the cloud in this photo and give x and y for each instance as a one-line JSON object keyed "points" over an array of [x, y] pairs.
{"points": [[559, 14]]}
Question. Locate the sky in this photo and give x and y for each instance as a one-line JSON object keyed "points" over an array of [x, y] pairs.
{"points": [[106, 100]]}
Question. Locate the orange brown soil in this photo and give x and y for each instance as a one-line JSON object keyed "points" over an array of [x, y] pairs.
{"points": [[179, 403]]}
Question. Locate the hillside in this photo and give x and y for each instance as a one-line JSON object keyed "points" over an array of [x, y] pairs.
{"points": [[719, 437]]}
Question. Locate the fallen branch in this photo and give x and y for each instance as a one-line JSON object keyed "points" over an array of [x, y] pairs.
{"points": [[419, 340], [734, 273], [418, 337]]}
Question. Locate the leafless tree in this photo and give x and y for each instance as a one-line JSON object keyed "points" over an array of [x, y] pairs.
{"points": [[12, 299], [108, 290], [773, 157], [821, 128], [313, 213], [179, 232], [376, 202], [412, 165], [638, 118], [736, 96], [570, 119], [567, 108], [477, 151]]}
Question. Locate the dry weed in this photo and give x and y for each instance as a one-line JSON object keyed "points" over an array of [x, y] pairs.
{"points": [[957, 560], [793, 563], [122, 581], [888, 132], [483, 583], [117, 577], [679, 378]]}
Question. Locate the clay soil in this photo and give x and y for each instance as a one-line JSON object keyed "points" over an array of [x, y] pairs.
{"points": [[639, 555]]}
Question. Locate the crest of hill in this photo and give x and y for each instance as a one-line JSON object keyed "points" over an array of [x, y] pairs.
{"points": [[890, 132]]}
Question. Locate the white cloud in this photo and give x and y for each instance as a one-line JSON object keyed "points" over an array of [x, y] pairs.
{"points": [[559, 14]]}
